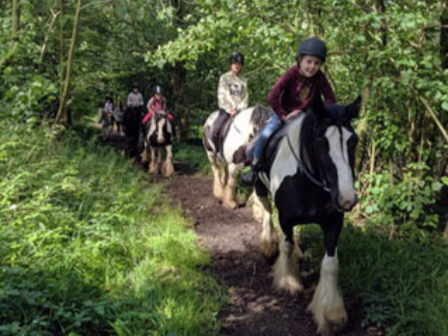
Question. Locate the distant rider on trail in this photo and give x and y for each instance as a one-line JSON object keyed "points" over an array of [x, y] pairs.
{"points": [[135, 98], [157, 103], [132, 119]]}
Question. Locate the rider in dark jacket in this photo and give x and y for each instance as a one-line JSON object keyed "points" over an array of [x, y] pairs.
{"points": [[294, 91]]}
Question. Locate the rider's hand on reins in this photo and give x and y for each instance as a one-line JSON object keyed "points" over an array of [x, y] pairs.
{"points": [[293, 114]]}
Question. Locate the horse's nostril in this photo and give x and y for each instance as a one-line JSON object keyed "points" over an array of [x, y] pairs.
{"points": [[347, 203]]}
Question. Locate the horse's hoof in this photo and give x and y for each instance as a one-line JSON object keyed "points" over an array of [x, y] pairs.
{"points": [[218, 194], [168, 172], [218, 191], [286, 275], [331, 322], [269, 252], [240, 202], [153, 171], [232, 205], [328, 310], [288, 285]]}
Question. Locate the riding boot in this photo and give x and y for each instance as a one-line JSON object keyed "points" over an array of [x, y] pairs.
{"points": [[249, 178]]}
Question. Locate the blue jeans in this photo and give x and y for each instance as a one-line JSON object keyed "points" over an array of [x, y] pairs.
{"points": [[272, 125]]}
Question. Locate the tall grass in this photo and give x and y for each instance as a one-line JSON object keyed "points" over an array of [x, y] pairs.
{"points": [[403, 286], [85, 250], [194, 156]]}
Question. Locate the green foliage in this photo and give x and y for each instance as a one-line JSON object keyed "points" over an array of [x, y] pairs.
{"points": [[194, 156], [402, 285], [87, 251], [393, 57], [404, 206], [31, 101]]}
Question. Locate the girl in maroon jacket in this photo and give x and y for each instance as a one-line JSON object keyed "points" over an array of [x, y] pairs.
{"points": [[294, 91]]}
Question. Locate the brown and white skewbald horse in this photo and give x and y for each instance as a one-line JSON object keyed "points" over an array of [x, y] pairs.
{"points": [[241, 129], [308, 172], [159, 136]]}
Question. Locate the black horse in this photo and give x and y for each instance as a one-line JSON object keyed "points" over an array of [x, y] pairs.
{"points": [[132, 121], [308, 170]]}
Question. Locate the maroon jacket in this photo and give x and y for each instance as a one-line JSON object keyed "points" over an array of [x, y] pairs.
{"points": [[295, 92]]}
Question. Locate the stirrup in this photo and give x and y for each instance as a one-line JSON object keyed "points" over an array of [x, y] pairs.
{"points": [[249, 177]]}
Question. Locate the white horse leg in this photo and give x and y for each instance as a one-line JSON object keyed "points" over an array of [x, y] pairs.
{"points": [[230, 200], [257, 207], [218, 189], [153, 164], [286, 268], [268, 236], [145, 157], [327, 305], [168, 168]]}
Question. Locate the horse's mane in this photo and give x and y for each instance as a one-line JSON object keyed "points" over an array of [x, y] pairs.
{"points": [[260, 115]]}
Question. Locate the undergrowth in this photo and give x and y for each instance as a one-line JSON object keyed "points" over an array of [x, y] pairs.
{"points": [[85, 250], [402, 285], [194, 156]]}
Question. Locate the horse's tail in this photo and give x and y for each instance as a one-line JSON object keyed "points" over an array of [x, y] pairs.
{"points": [[260, 116]]}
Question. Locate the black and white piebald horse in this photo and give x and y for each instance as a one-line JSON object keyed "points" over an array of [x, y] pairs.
{"points": [[159, 136], [308, 171], [107, 123], [235, 137]]}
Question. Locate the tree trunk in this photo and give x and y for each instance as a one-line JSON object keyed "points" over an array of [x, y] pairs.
{"points": [[15, 22], [381, 9], [445, 233], [444, 34], [180, 78], [47, 37], [61, 49], [62, 112]]}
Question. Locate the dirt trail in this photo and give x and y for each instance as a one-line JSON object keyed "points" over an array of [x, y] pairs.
{"points": [[231, 236]]}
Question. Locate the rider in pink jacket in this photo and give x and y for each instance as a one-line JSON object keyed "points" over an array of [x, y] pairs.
{"points": [[157, 103]]}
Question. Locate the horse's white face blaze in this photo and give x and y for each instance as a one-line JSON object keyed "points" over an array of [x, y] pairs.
{"points": [[160, 125], [338, 151]]}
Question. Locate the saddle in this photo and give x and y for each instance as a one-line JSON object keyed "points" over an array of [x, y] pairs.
{"points": [[270, 149], [223, 133]]}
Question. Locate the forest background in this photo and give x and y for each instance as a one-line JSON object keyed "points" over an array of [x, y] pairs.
{"points": [[59, 59]]}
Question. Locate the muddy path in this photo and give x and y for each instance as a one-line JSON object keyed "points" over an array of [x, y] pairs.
{"points": [[231, 236]]}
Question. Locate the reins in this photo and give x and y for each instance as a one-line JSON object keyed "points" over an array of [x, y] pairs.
{"points": [[303, 168]]}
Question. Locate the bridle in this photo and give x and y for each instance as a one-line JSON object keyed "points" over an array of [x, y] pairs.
{"points": [[304, 169]]}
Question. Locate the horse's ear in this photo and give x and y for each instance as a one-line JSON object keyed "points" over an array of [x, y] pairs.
{"points": [[318, 108], [352, 110]]}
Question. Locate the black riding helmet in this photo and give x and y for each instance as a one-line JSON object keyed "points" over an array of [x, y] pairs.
{"points": [[313, 46], [158, 89], [135, 85], [236, 57]]}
